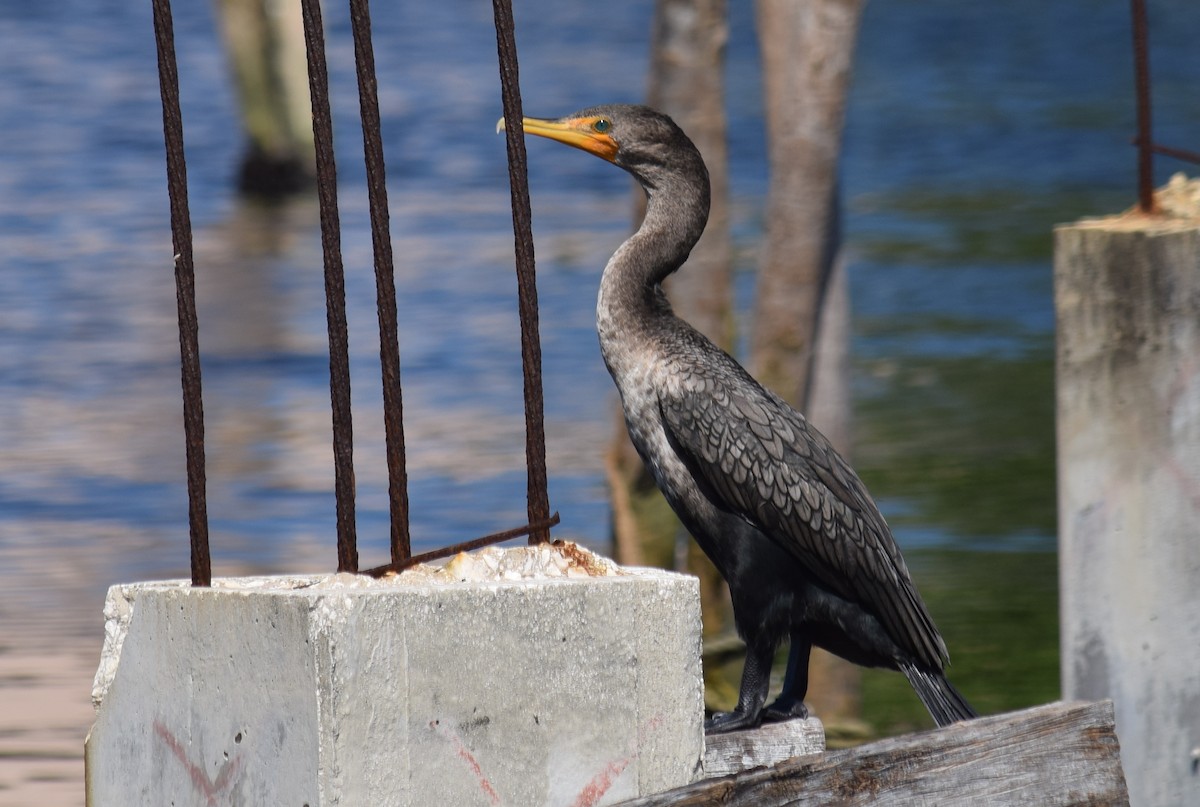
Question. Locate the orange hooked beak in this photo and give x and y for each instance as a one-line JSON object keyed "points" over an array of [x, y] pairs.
{"points": [[589, 134]]}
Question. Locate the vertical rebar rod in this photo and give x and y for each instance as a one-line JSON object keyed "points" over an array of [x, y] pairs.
{"points": [[385, 285], [185, 293], [335, 288], [538, 501], [1145, 140]]}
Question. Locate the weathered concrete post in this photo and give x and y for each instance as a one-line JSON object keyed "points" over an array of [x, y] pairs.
{"points": [[1127, 294], [526, 676]]}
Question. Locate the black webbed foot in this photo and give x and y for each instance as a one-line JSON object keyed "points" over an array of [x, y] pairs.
{"points": [[722, 722], [756, 677], [784, 708], [790, 703]]}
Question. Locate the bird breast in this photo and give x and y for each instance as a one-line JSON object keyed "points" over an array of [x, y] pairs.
{"points": [[641, 371]]}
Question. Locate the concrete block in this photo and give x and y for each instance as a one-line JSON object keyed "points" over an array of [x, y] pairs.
{"points": [[521, 676], [1127, 297]]}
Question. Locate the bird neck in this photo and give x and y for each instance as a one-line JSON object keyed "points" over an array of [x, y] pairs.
{"points": [[631, 297]]}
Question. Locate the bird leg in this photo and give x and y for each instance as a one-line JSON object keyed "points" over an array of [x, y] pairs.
{"points": [[790, 702], [756, 681]]}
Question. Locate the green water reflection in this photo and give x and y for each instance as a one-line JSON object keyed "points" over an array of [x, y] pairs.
{"points": [[966, 443], [998, 612], [954, 426]]}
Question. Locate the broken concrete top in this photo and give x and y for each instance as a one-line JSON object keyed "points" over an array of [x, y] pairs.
{"points": [[538, 562], [555, 561], [1177, 208]]}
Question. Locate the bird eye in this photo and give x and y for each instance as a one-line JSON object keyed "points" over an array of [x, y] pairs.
{"points": [[601, 125]]}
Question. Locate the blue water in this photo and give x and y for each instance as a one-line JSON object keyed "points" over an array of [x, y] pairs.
{"points": [[972, 130]]}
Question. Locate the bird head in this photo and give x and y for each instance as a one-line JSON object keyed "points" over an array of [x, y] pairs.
{"points": [[644, 142]]}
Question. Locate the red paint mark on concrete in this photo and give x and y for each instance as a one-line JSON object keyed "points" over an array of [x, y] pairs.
{"points": [[1188, 485], [589, 796], [464, 753], [599, 784], [653, 723], [208, 788]]}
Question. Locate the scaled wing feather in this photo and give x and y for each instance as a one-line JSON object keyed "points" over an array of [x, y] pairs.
{"points": [[757, 457]]}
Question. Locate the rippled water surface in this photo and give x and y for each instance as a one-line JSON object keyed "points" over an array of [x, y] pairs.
{"points": [[973, 129]]}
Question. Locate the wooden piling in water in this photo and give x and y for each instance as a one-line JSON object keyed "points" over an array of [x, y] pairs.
{"points": [[265, 45], [1127, 296]]}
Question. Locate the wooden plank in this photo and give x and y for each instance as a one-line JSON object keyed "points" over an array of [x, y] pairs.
{"points": [[1052, 755], [769, 744]]}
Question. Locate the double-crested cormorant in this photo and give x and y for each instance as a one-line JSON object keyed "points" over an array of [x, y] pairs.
{"points": [[784, 518]]}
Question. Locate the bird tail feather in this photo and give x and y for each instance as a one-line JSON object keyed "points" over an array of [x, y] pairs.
{"points": [[945, 703]]}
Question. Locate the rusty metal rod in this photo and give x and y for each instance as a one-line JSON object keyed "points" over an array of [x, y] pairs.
{"points": [[185, 293], [1171, 151], [385, 285], [1141, 72], [335, 288], [537, 497], [465, 546]]}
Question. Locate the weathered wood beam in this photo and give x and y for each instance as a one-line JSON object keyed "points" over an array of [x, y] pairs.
{"points": [[1052, 755], [769, 744]]}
